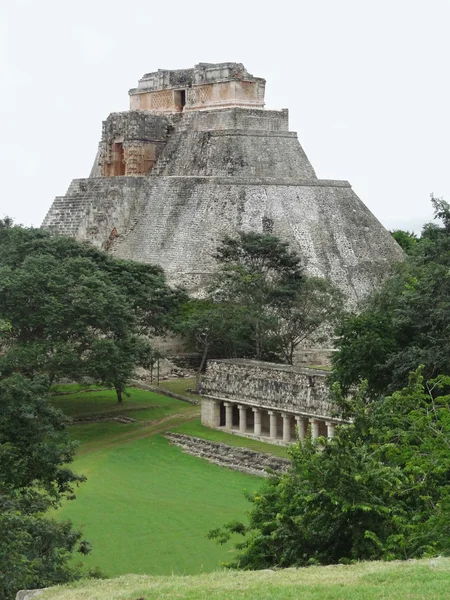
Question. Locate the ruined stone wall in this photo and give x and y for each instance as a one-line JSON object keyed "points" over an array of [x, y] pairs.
{"points": [[268, 385], [232, 457]]}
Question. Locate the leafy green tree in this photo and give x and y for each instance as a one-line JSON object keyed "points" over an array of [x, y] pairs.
{"points": [[407, 240], [406, 323], [217, 329], [112, 361], [379, 490], [65, 301], [311, 312], [259, 272], [260, 304], [35, 452]]}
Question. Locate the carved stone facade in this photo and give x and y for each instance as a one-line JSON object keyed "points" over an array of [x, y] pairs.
{"points": [[197, 158], [205, 86], [131, 143], [267, 401]]}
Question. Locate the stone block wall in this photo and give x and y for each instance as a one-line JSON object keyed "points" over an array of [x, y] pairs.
{"points": [[210, 413], [236, 118], [324, 221], [225, 93], [97, 209], [228, 153]]}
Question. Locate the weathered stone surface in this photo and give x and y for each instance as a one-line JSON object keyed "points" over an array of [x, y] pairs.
{"points": [[238, 459], [296, 390], [206, 85], [169, 182], [28, 594]]}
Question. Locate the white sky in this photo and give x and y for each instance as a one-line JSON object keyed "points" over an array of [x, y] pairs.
{"points": [[366, 82]]}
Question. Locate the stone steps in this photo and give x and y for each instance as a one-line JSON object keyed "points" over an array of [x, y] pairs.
{"points": [[67, 211], [238, 459]]}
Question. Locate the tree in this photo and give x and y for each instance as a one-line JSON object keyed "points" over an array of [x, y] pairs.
{"points": [[313, 310], [404, 324], [260, 304], [407, 240], [35, 452], [112, 361], [259, 272], [215, 328], [65, 301], [379, 490]]}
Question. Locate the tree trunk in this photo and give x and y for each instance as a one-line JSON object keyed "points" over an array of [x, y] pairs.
{"points": [[291, 353], [200, 369], [257, 340], [119, 395]]}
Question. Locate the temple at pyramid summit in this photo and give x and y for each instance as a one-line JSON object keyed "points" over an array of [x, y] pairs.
{"points": [[199, 156]]}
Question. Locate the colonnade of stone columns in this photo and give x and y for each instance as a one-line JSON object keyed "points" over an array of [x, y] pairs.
{"points": [[302, 423]]}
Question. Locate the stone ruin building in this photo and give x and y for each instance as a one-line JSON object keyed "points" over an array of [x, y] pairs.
{"points": [[198, 156], [265, 401]]}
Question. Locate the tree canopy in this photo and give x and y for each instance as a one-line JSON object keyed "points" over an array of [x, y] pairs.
{"points": [[407, 240], [70, 306], [405, 324], [379, 489], [35, 452], [66, 310], [260, 303]]}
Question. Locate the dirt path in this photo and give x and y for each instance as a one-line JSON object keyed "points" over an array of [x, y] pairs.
{"points": [[141, 431]]}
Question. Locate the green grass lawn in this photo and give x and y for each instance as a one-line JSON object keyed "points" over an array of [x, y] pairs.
{"points": [[84, 404], [181, 386], [147, 507], [411, 580]]}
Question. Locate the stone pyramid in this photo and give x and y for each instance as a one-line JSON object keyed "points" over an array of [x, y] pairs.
{"points": [[197, 157]]}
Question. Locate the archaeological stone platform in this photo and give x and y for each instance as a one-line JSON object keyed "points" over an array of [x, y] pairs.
{"points": [[267, 401], [198, 156]]}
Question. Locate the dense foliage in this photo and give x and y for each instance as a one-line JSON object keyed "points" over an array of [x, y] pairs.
{"points": [[407, 240], [405, 324], [66, 310], [34, 453], [75, 312], [379, 490], [260, 303]]}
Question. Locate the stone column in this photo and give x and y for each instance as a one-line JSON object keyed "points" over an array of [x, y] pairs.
{"points": [[314, 428], [286, 427], [242, 418], [330, 430], [257, 421], [228, 415], [302, 426], [273, 424]]}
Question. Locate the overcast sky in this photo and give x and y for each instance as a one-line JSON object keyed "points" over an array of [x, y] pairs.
{"points": [[366, 83]]}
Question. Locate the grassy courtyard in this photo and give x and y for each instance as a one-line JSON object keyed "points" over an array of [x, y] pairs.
{"points": [[409, 580], [147, 507]]}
